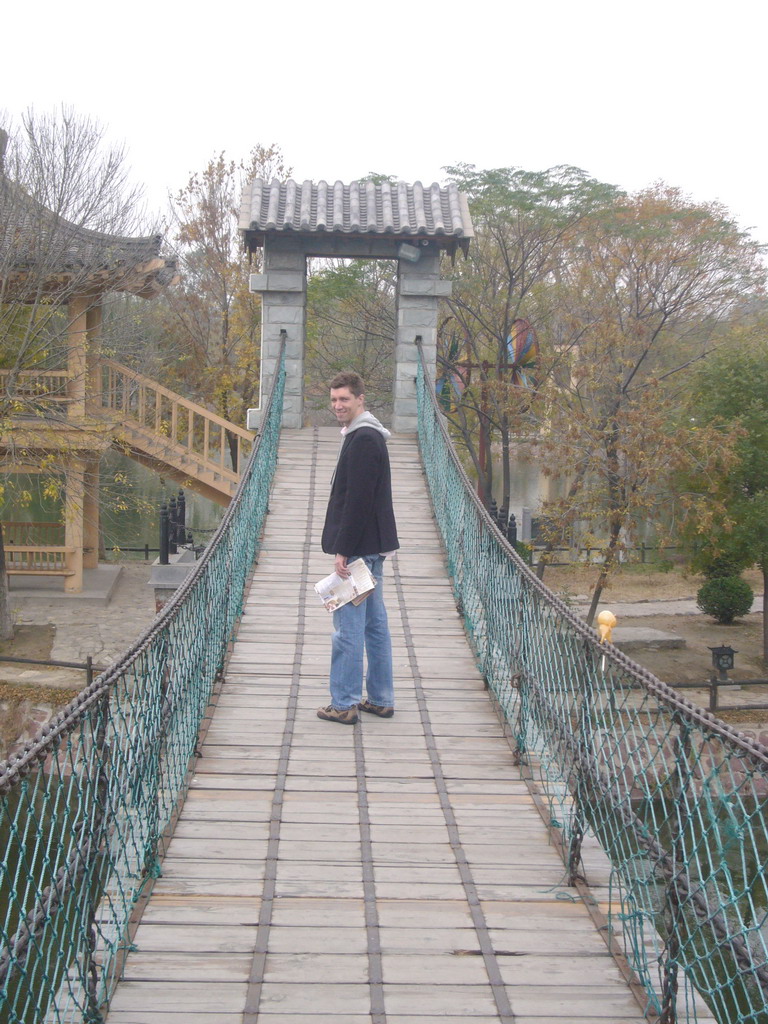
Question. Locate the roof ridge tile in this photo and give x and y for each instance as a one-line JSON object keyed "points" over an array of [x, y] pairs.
{"points": [[362, 207]]}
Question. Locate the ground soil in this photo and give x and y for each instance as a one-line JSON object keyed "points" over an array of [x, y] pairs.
{"points": [[640, 584], [634, 582], [32, 642], [693, 662], [24, 706]]}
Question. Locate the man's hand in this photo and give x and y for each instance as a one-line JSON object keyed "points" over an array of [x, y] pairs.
{"points": [[340, 565]]}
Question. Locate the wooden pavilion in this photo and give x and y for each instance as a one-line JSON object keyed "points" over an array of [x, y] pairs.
{"points": [[47, 264]]}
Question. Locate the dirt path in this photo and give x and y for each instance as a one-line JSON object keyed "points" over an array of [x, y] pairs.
{"points": [[691, 663]]}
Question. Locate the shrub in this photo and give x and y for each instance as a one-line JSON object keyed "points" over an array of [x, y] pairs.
{"points": [[725, 598], [722, 567], [716, 566]]}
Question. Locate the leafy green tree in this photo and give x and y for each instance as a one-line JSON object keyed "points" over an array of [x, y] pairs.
{"points": [[731, 389], [351, 324]]}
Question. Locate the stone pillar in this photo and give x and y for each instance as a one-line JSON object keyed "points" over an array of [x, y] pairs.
{"points": [[283, 290], [166, 579], [419, 290]]}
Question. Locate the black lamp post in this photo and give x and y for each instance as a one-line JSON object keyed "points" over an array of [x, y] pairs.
{"points": [[722, 663], [722, 660]]}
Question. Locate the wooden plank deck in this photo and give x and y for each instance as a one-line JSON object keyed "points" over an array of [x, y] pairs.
{"points": [[393, 872]]}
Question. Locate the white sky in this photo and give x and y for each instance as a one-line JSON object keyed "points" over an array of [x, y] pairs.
{"points": [[671, 91]]}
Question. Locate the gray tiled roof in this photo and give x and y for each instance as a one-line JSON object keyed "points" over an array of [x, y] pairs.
{"points": [[394, 210], [35, 242]]}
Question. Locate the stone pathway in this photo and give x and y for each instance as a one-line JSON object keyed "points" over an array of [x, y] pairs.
{"points": [[103, 630]]}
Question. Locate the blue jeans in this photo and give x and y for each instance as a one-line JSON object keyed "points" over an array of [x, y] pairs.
{"points": [[358, 628]]}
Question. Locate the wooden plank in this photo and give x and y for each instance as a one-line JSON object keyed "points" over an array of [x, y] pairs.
{"points": [[553, 963]]}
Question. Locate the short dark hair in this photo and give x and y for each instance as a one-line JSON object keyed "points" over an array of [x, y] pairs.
{"points": [[349, 379]]}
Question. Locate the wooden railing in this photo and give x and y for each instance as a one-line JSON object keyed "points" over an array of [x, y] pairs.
{"points": [[18, 532], [37, 560], [211, 442], [150, 422], [35, 549], [33, 390]]}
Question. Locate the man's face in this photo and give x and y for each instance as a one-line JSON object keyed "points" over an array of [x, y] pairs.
{"points": [[345, 405]]}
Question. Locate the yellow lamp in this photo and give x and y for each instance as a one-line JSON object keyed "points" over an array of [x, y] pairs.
{"points": [[605, 622]]}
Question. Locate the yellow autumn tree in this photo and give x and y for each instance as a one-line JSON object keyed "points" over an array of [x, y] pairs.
{"points": [[651, 287], [212, 322]]}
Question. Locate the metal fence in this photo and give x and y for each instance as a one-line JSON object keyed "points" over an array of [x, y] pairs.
{"points": [[676, 798], [84, 807]]}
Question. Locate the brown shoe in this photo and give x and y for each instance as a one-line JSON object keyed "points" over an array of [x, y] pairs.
{"points": [[376, 709], [331, 714]]}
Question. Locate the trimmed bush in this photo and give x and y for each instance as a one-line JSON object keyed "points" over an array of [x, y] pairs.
{"points": [[722, 567], [725, 598]]}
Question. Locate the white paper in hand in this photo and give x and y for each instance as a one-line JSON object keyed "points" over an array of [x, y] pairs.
{"points": [[335, 592]]}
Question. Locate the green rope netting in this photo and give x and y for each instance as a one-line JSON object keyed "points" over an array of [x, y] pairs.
{"points": [[676, 799], [84, 806]]}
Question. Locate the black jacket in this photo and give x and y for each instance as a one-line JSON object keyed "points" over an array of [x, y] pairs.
{"points": [[360, 519]]}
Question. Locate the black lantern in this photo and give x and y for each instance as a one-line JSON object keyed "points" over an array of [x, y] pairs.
{"points": [[722, 659]]}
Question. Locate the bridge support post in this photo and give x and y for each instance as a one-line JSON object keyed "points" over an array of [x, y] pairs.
{"points": [[419, 290], [283, 290]]}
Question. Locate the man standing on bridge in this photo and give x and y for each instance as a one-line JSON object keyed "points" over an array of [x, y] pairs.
{"points": [[360, 523]]}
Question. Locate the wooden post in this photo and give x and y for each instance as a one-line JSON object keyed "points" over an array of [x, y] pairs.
{"points": [[91, 513], [93, 319], [93, 385], [77, 354], [73, 525]]}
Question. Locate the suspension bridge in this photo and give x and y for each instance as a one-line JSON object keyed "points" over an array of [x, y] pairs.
{"points": [[544, 832]]}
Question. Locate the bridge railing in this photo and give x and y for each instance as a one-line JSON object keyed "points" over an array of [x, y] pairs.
{"points": [[85, 806], [676, 798]]}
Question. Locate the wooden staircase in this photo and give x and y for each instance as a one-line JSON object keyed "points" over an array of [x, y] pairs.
{"points": [[169, 433], [141, 418]]}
